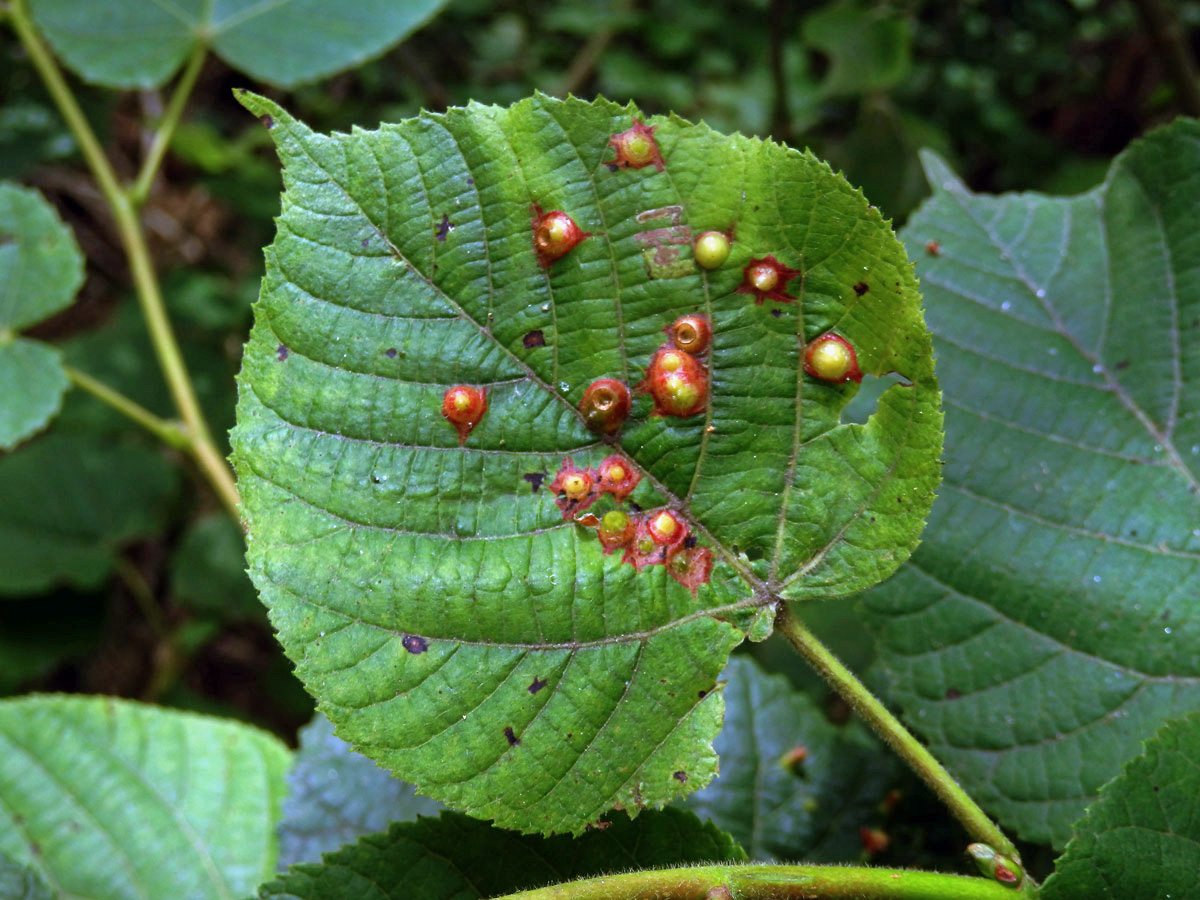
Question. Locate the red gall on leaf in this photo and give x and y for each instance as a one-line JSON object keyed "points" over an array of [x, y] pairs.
{"points": [[555, 234], [766, 279], [616, 530], [463, 406], [933, 248], [617, 477], [677, 382], [575, 488], [794, 759], [691, 567], [636, 148], [831, 357], [605, 405], [660, 535], [692, 334]]}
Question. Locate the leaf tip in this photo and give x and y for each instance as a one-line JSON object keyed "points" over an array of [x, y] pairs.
{"points": [[939, 174]]}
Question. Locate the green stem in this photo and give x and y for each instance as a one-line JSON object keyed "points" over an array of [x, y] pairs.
{"points": [[167, 432], [143, 596], [899, 738], [145, 282], [140, 189], [770, 882]]}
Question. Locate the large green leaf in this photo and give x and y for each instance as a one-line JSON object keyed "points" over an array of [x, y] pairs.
{"points": [[41, 268], [69, 501], [1049, 621], [336, 795], [106, 799], [779, 810], [1141, 838], [454, 857], [452, 625], [140, 44]]}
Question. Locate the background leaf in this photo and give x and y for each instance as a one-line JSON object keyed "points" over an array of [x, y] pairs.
{"points": [[451, 623], [135, 44], [208, 572], [69, 501], [457, 857], [336, 795], [19, 882], [811, 812], [1141, 838], [41, 268], [1048, 623], [96, 794]]}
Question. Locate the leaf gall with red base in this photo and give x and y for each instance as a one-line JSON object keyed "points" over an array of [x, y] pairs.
{"points": [[636, 148], [463, 406], [765, 279], [555, 234], [831, 357], [575, 488], [617, 477], [605, 405], [691, 334], [677, 382]]}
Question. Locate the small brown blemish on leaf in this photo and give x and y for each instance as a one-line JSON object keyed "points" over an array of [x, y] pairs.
{"points": [[689, 541], [414, 643], [267, 120], [444, 229], [512, 739], [680, 776], [1122, 364], [933, 248], [953, 693], [390, 352], [536, 685], [777, 313], [535, 480], [597, 826], [366, 242], [470, 182], [282, 352], [702, 694], [861, 288], [533, 339]]}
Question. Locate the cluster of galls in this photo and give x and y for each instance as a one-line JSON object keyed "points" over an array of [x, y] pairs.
{"points": [[577, 489], [677, 381]]}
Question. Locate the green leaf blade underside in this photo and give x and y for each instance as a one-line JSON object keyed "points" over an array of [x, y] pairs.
{"points": [[336, 796], [457, 857], [552, 682], [1141, 838], [811, 812], [32, 383], [96, 793], [1048, 623], [136, 44]]}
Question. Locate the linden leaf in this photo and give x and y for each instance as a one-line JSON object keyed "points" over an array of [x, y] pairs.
{"points": [[1141, 838], [140, 44], [451, 623], [456, 858], [98, 794], [1048, 623], [41, 268]]}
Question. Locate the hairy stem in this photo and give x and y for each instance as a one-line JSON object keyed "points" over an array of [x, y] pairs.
{"points": [[145, 281], [140, 189], [168, 432], [770, 882], [890, 729]]}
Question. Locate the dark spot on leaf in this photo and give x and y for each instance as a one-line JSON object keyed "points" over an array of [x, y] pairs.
{"points": [[597, 826], [512, 739], [690, 541], [366, 241], [680, 776], [267, 120], [1123, 364], [1156, 788], [282, 352], [535, 480], [861, 288], [445, 228], [953, 693], [702, 694], [414, 643], [390, 352], [777, 313], [537, 685], [570, 735], [613, 167], [470, 182], [933, 248], [533, 339], [635, 508]]}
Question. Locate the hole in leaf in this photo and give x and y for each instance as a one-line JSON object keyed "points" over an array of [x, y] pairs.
{"points": [[863, 404]]}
